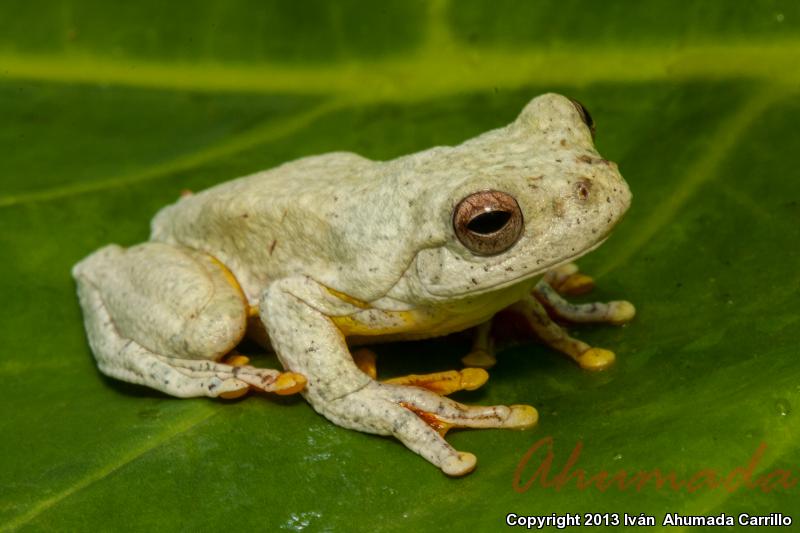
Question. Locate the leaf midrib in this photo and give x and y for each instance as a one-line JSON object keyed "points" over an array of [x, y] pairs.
{"points": [[417, 77]]}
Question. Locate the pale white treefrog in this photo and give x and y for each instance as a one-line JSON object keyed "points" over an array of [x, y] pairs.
{"points": [[330, 251]]}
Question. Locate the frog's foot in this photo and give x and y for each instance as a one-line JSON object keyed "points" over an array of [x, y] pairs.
{"points": [[482, 353], [420, 418], [283, 383], [616, 312], [443, 383], [567, 280], [246, 377], [556, 337]]}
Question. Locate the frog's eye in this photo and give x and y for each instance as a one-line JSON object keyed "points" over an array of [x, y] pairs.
{"points": [[584, 113], [488, 222]]}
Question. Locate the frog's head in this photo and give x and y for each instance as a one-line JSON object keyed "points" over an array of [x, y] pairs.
{"points": [[527, 198]]}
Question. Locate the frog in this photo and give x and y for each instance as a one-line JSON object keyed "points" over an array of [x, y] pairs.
{"points": [[322, 255]]}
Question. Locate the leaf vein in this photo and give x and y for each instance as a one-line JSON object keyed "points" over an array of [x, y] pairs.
{"points": [[107, 470]]}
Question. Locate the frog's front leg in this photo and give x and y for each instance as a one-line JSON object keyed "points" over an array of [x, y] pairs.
{"points": [[546, 303], [307, 341], [547, 291], [557, 337]]}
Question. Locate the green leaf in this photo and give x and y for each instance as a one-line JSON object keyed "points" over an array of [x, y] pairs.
{"points": [[109, 112]]}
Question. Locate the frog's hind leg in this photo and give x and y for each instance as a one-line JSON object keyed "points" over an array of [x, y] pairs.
{"points": [[162, 316]]}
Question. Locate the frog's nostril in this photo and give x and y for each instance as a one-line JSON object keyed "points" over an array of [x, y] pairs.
{"points": [[583, 189]]}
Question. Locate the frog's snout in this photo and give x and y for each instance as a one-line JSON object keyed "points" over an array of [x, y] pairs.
{"points": [[602, 184]]}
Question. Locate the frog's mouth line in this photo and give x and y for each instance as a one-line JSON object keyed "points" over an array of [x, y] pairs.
{"points": [[521, 278], [542, 270]]}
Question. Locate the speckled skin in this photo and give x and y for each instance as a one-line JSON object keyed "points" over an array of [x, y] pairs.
{"points": [[337, 247]]}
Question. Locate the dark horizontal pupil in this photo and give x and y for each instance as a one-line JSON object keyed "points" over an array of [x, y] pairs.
{"points": [[489, 222]]}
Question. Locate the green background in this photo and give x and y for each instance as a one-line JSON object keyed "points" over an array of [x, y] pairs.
{"points": [[109, 110]]}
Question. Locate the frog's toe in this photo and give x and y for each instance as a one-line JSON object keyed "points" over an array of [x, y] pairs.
{"points": [[620, 312], [264, 379], [522, 417], [446, 382], [568, 281], [420, 437], [230, 389], [479, 358], [575, 285], [444, 413], [460, 464], [596, 359]]}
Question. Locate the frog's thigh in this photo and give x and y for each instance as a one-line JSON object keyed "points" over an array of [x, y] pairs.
{"points": [[159, 315]]}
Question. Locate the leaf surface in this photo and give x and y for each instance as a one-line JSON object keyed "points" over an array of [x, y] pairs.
{"points": [[109, 113]]}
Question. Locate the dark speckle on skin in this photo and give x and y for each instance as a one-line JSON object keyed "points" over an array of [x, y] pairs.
{"points": [[272, 246], [582, 188], [585, 159], [558, 207], [474, 281]]}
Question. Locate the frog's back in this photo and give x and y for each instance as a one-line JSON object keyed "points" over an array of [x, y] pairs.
{"points": [[288, 183], [258, 225]]}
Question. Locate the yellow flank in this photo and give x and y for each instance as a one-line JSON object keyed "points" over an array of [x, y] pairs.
{"points": [[394, 322], [230, 278], [421, 323], [349, 299]]}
